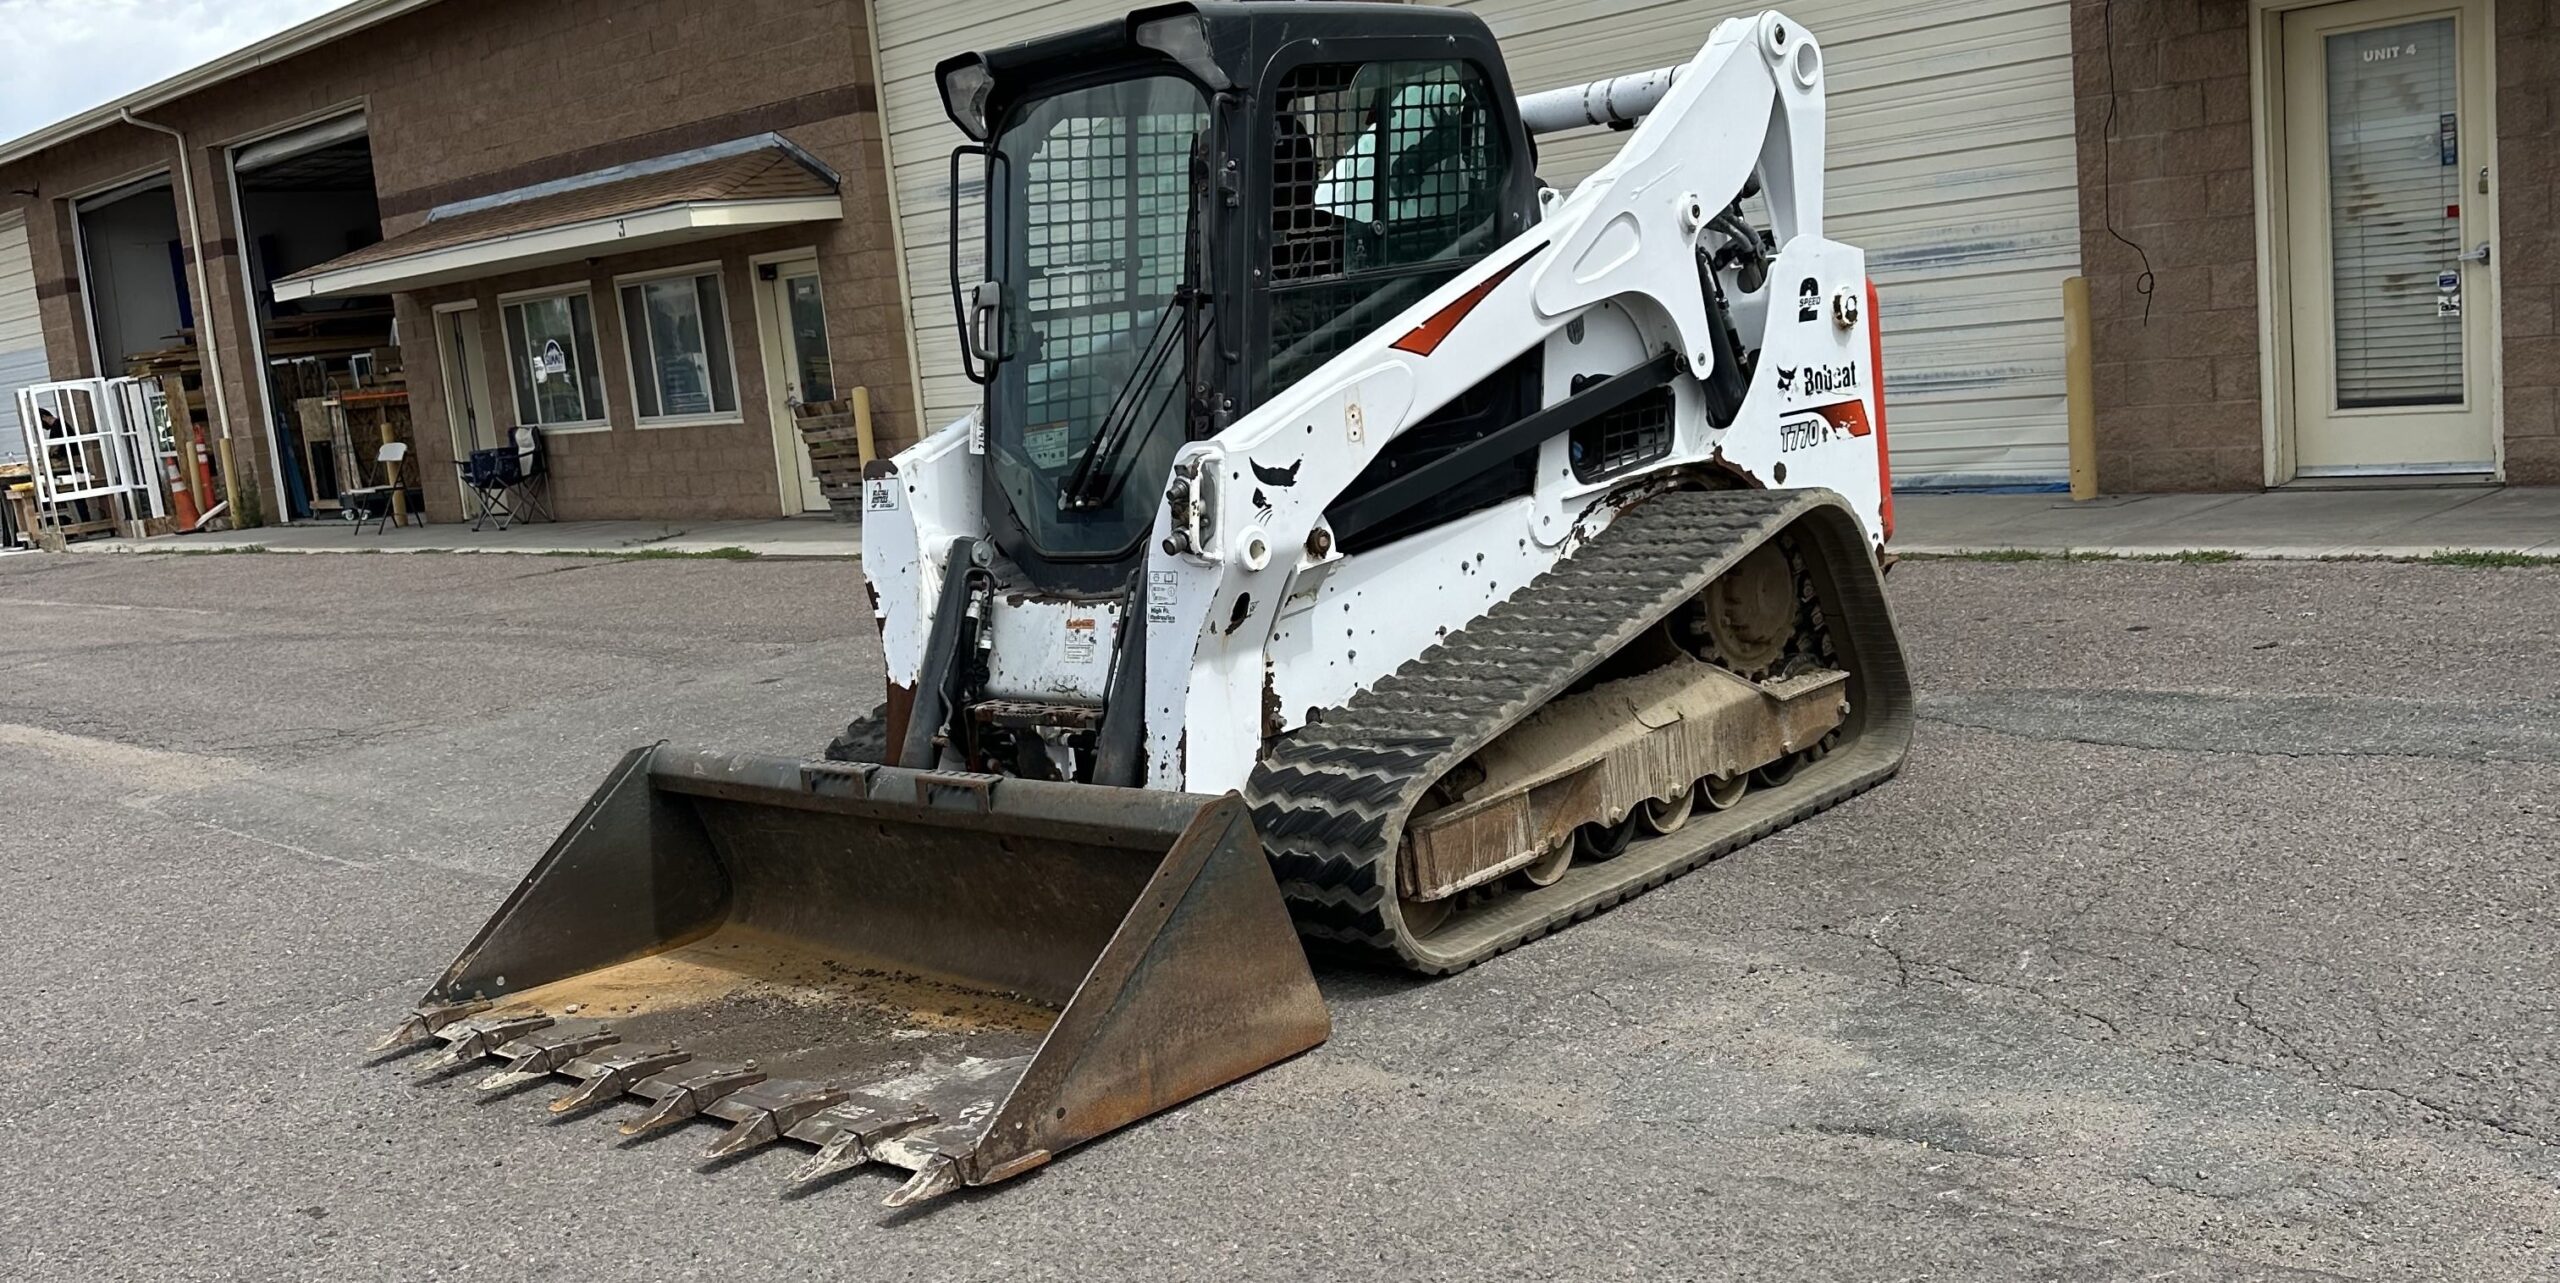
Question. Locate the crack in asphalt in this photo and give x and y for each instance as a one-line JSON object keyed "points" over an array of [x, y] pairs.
{"points": [[2259, 724], [1910, 969]]}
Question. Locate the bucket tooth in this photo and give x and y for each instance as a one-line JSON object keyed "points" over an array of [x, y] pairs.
{"points": [[425, 1022], [468, 1040], [772, 1109], [614, 1073], [939, 1175], [842, 1154], [534, 1058], [846, 1132], [687, 1097]]}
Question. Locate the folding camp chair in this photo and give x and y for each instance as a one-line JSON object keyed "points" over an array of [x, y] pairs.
{"points": [[509, 483], [376, 504]]}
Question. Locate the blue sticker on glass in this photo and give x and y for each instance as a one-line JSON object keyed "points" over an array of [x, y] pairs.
{"points": [[2445, 144]]}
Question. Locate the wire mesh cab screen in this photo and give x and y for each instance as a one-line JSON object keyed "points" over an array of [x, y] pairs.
{"points": [[1387, 179], [1094, 237]]}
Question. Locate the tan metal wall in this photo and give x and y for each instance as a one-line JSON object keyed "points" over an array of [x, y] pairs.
{"points": [[22, 359], [1951, 156], [914, 35], [1951, 162]]}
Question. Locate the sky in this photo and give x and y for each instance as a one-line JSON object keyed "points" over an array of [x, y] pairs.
{"points": [[66, 56]]}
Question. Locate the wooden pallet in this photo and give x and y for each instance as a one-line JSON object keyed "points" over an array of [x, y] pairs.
{"points": [[834, 432]]}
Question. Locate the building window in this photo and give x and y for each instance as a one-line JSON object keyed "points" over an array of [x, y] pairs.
{"points": [[551, 354], [678, 335]]}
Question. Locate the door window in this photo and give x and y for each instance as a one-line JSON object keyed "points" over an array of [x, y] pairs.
{"points": [[1093, 237], [551, 357], [2395, 228], [808, 318]]}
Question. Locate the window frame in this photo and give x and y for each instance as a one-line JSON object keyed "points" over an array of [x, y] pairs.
{"points": [[633, 345], [515, 393]]}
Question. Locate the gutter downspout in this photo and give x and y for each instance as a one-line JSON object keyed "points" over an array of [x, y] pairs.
{"points": [[204, 313]]}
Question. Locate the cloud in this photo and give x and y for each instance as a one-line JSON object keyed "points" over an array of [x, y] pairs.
{"points": [[66, 56]]}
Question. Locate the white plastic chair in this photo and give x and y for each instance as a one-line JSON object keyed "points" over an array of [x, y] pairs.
{"points": [[376, 504]]}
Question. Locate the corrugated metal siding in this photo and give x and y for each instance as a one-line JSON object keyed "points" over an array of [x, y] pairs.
{"points": [[1951, 161], [22, 358], [913, 36]]}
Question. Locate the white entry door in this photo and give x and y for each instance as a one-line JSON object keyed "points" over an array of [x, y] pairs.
{"points": [[2390, 225], [466, 383], [798, 370]]}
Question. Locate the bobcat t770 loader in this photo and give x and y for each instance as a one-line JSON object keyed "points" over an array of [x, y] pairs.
{"points": [[1358, 544]]}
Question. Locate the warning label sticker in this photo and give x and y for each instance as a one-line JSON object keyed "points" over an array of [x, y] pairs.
{"points": [[1161, 586]]}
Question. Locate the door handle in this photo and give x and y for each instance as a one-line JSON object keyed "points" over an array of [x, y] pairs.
{"points": [[2479, 254]]}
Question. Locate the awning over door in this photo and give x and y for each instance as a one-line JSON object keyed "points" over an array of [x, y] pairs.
{"points": [[726, 190]]}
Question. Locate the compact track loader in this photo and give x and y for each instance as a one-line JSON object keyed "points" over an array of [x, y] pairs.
{"points": [[1360, 548]]}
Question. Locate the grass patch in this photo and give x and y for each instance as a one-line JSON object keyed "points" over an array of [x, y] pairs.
{"points": [[731, 553], [2478, 560], [2192, 557], [2005, 556], [2002, 555], [2470, 558]]}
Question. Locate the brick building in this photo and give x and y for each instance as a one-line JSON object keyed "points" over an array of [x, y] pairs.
{"points": [[649, 226], [645, 226], [2319, 240]]}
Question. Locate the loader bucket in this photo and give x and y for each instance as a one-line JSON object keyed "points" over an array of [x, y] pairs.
{"points": [[959, 975]]}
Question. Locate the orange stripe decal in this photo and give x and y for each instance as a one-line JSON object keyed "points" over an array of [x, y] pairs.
{"points": [[1875, 381], [1848, 416], [1427, 336]]}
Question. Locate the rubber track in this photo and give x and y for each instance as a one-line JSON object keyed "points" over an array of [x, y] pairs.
{"points": [[1331, 798], [865, 739]]}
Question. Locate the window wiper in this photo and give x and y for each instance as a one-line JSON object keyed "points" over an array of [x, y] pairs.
{"points": [[1093, 482]]}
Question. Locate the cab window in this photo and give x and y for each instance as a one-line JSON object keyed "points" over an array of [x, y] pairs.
{"points": [[1387, 180]]}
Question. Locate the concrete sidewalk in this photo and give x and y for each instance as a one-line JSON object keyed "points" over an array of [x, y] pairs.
{"points": [[2277, 523], [817, 535]]}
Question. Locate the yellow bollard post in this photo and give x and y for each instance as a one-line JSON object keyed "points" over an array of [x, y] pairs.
{"points": [[230, 482], [862, 424], [2079, 383]]}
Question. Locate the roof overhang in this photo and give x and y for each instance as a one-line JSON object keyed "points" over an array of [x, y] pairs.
{"points": [[552, 246]]}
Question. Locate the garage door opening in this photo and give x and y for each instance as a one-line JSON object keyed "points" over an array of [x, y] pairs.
{"points": [[135, 276], [334, 393]]}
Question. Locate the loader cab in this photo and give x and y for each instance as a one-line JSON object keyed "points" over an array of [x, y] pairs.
{"points": [[1180, 212]]}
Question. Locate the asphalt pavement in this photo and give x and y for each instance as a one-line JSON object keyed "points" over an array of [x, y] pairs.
{"points": [[2209, 934]]}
